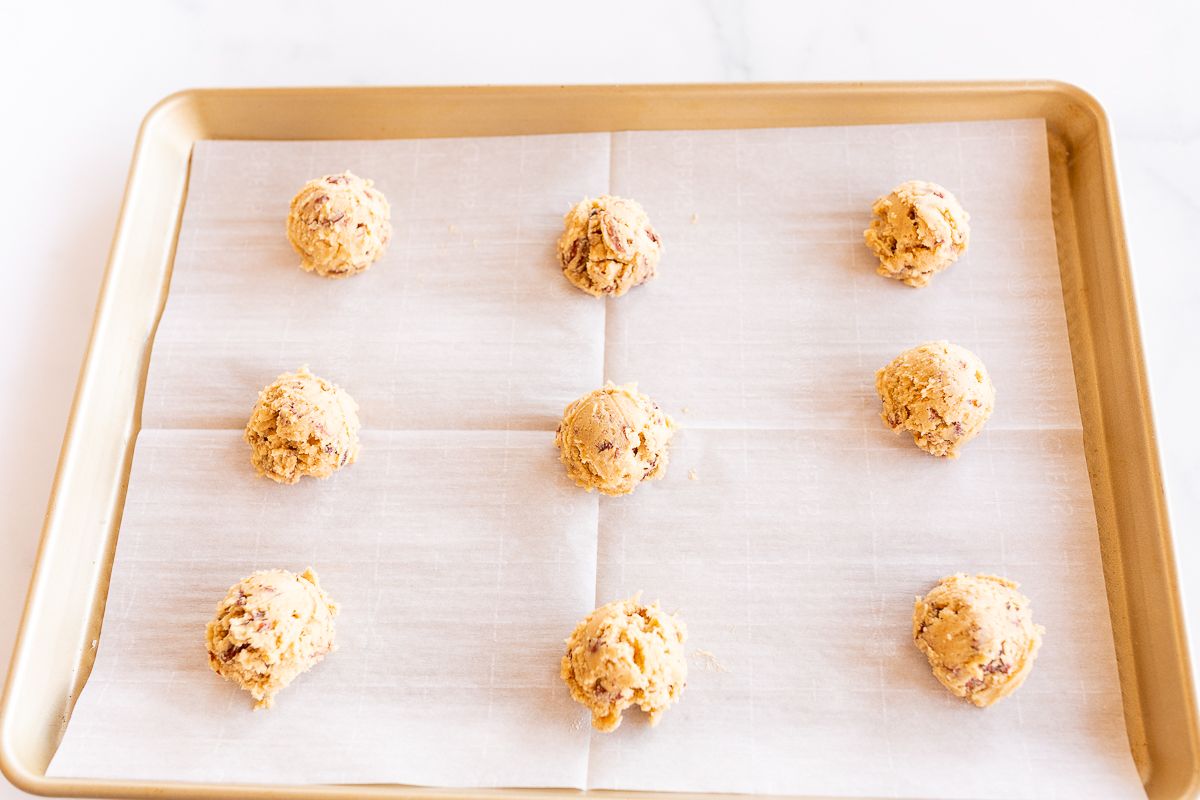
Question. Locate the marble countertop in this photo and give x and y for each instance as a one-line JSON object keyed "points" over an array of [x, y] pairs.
{"points": [[80, 78]]}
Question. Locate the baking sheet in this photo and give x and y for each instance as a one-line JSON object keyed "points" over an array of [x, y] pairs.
{"points": [[791, 532]]}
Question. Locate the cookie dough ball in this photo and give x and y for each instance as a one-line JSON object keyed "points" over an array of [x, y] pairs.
{"points": [[339, 225], [940, 393], [302, 425], [918, 230], [626, 654], [608, 246], [978, 635], [270, 628], [614, 438]]}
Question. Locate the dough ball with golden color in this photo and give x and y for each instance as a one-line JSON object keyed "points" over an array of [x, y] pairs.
{"points": [[614, 438], [340, 225], [302, 425], [608, 246], [626, 654], [978, 634], [918, 230], [270, 628], [940, 393]]}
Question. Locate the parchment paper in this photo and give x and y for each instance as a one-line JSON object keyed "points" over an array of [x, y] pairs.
{"points": [[791, 532]]}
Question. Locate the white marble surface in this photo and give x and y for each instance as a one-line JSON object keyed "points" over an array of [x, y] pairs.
{"points": [[80, 76]]}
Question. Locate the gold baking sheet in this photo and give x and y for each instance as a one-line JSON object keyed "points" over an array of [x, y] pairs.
{"points": [[66, 600]]}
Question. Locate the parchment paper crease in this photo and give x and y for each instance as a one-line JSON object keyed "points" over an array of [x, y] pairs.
{"points": [[791, 533]]}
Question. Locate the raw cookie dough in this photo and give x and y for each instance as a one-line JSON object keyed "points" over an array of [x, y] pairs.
{"points": [[302, 425], [919, 230], [614, 438], [608, 246], [626, 654], [940, 393], [271, 627], [339, 225], [978, 635]]}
